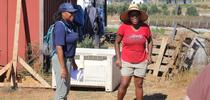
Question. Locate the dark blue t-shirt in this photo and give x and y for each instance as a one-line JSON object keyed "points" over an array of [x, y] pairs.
{"points": [[61, 38]]}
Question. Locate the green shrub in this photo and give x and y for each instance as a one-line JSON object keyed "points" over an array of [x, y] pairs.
{"points": [[174, 12], [122, 7], [164, 9], [177, 11], [153, 10], [109, 30], [143, 7], [111, 9], [86, 43], [192, 11], [117, 8], [165, 12], [158, 31]]}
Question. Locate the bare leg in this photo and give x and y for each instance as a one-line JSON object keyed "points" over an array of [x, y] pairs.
{"points": [[138, 81], [125, 81]]}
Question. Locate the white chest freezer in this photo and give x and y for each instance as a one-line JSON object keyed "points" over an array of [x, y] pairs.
{"points": [[96, 68]]}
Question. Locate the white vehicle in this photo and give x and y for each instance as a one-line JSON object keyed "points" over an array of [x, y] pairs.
{"points": [[137, 1]]}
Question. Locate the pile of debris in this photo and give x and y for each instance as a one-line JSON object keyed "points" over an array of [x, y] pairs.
{"points": [[178, 52]]}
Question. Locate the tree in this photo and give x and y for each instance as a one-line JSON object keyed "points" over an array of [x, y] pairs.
{"points": [[153, 10], [143, 7], [164, 9], [192, 11]]}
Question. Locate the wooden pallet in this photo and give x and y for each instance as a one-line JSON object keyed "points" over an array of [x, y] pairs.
{"points": [[164, 55]]}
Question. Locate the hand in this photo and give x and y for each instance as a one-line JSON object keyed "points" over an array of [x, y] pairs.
{"points": [[119, 63], [64, 73], [74, 65], [149, 60]]}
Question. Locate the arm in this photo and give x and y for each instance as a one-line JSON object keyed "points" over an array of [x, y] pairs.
{"points": [[117, 50], [149, 48], [64, 71]]}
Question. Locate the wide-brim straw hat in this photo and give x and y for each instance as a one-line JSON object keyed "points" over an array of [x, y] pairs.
{"points": [[124, 17]]}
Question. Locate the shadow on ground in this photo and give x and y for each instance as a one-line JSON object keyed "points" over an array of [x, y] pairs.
{"points": [[87, 89], [155, 96], [100, 89]]}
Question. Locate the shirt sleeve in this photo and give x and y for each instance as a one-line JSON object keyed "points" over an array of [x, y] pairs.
{"points": [[59, 34], [121, 30], [148, 32]]}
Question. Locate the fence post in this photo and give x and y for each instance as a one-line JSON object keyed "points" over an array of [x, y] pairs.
{"points": [[148, 21], [164, 22], [156, 22], [207, 24], [199, 24], [190, 24], [182, 21], [172, 23]]}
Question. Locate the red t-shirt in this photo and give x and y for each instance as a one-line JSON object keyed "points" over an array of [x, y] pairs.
{"points": [[133, 42]]}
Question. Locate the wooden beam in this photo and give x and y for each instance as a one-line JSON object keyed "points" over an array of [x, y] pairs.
{"points": [[30, 70], [152, 67], [160, 56], [173, 59], [165, 59], [15, 43], [4, 69], [16, 35], [41, 29], [169, 52]]}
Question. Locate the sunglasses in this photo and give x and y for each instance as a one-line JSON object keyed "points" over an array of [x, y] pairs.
{"points": [[134, 13]]}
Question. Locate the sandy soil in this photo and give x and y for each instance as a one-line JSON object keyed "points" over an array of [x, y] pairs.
{"points": [[153, 90]]}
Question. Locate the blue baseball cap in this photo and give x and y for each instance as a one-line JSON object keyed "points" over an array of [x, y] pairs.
{"points": [[67, 7]]}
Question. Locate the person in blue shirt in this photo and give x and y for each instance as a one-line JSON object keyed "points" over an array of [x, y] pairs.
{"points": [[64, 41]]}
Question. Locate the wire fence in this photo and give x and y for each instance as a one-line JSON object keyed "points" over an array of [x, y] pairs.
{"points": [[189, 21], [169, 21]]}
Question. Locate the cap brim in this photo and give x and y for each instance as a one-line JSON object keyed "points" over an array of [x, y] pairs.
{"points": [[72, 11], [125, 18]]}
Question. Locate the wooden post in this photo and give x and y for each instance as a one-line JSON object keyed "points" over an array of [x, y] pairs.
{"points": [[207, 24], [4, 69], [199, 24], [173, 58], [160, 56], [12, 66], [190, 23], [30, 70], [15, 47]]}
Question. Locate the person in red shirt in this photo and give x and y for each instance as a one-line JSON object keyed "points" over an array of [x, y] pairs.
{"points": [[136, 41]]}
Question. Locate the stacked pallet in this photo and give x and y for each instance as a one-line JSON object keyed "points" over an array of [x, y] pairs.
{"points": [[164, 55]]}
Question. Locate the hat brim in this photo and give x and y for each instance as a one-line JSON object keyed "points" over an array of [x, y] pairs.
{"points": [[124, 17], [72, 11]]}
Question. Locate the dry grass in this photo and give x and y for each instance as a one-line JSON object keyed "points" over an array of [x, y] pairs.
{"points": [[153, 90], [183, 79]]}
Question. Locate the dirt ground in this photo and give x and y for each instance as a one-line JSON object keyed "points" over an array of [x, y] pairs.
{"points": [[153, 90]]}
